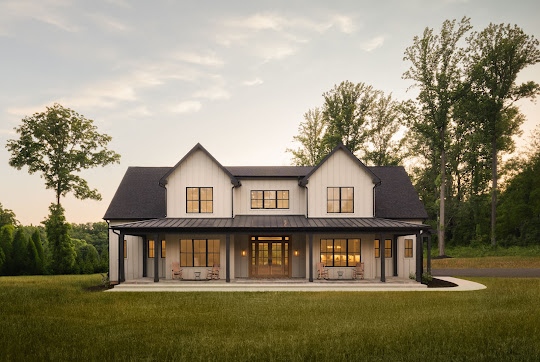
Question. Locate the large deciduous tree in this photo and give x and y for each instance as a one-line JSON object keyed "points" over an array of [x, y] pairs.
{"points": [[310, 137], [385, 143], [436, 70], [59, 143], [346, 112], [496, 56]]}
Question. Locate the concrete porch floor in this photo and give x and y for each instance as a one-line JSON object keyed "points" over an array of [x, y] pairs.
{"points": [[289, 285]]}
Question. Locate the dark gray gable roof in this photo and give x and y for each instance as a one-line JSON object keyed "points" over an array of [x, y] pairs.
{"points": [[374, 177], [395, 197], [269, 171], [139, 195], [198, 146]]}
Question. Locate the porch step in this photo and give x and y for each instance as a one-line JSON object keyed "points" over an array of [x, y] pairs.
{"points": [[261, 286]]}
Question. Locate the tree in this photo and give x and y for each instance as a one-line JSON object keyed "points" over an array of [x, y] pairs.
{"points": [[496, 55], [346, 112], [435, 69], [59, 143], [20, 258], [6, 244], [7, 217], [39, 258], [62, 250], [386, 121], [310, 137], [33, 262], [2, 259], [519, 220]]}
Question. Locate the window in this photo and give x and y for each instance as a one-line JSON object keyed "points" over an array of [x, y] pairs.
{"points": [[387, 248], [340, 252], [270, 199], [151, 248], [125, 249], [163, 249], [199, 252], [199, 200], [340, 200], [408, 248]]}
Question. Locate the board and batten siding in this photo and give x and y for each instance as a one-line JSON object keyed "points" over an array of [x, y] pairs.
{"points": [[199, 170], [134, 260], [242, 196], [340, 171]]}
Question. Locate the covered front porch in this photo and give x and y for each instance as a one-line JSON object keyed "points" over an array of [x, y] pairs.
{"points": [[270, 249]]}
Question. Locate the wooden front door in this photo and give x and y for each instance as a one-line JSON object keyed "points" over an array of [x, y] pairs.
{"points": [[269, 256]]}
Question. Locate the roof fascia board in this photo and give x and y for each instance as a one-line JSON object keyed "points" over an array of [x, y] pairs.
{"points": [[376, 180], [197, 147]]}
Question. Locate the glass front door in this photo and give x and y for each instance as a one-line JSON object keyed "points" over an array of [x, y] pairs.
{"points": [[269, 257]]}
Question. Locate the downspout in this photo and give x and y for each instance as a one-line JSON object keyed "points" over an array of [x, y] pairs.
{"points": [[232, 201], [307, 202], [377, 184]]}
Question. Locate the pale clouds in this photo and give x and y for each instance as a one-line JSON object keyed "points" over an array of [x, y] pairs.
{"points": [[199, 59], [372, 44], [47, 11], [109, 23], [252, 82], [213, 93], [187, 107], [278, 36]]}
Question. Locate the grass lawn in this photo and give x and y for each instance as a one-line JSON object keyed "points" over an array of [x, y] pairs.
{"points": [[53, 318], [486, 262]]}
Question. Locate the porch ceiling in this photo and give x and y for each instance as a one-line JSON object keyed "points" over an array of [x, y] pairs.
{"points": [[270, 223]]}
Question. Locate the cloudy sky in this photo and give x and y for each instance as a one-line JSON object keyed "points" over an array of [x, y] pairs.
{"points": [[237, 76]]}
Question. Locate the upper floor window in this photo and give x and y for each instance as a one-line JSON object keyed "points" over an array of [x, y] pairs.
{"points": [[199, 200], [340, 199], [269, 199]]}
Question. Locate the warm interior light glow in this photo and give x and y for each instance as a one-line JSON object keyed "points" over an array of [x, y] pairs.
{"points": [[296, 253], [243, 253]]}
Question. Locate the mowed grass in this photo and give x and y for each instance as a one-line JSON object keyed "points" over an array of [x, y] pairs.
{"points": [[53, 318], [486, 262]]}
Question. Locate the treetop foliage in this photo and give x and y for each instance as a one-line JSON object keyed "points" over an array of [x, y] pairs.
{"points": [[59, 143]]}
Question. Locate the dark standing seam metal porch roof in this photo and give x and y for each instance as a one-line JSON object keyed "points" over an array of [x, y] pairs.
{"points": [[268, 223]]}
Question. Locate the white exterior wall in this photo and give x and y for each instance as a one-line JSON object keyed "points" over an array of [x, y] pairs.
{"points": [[340, 171], [134, 260], [242, 196], [199, 170]]}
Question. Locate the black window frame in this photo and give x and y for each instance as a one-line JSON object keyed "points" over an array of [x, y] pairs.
{"points": [[125, 249], [206, 253], [340, 200], [163, 250], [199, 199], [346, 252], [385, 248], [408, 249], [276, 199], [153, 249]]}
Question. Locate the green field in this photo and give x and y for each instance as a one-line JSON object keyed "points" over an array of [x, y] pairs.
{"points": [[504, 262], [53, 318]]}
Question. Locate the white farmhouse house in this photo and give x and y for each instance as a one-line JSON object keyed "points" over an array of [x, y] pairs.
{"points": [[265, 222]]}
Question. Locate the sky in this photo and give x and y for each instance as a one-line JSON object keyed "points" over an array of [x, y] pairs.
{"points": [[236, 76]]}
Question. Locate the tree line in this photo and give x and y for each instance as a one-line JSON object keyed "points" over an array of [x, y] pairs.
{"points": [[453, 133], [26, 250], [57, 143]]}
